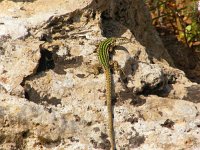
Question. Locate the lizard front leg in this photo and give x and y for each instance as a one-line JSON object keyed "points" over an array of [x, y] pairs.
{"points": [[116, 67]]}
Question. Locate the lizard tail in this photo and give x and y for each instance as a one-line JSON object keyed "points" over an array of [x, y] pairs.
{"points": [[109, 107]]}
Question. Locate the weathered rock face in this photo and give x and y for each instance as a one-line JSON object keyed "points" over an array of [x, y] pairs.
{"points": [[51, 99], [18, 60]]}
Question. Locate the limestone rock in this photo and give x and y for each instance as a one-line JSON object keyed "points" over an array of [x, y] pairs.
{"points": [[51, 99], [159, 123], [18, 60]]}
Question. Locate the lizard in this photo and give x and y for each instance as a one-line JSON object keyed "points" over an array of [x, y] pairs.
{"points": [[105, 47]]}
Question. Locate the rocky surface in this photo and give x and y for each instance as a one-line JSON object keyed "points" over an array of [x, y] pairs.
{"points": [[51, 99]]}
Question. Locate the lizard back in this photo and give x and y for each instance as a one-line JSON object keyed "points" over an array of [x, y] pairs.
{"points": [[103, 52]]}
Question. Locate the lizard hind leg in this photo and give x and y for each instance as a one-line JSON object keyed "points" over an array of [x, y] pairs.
{"points": [[96, 68]]}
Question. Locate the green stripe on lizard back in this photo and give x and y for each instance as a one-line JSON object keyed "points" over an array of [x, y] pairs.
{"points": [[103, 52]]}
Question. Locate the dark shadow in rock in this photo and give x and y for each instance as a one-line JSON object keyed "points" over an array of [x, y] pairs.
{"points": [[62, 63], [26, 133], [46, 61], [2, 138], [32, 77], [49, 143], [80, 76], [50, 60], [110, 27], [157, 90], [135, 142], [193, 94], [125, 95], [94, 143], [2, 51], [168, 124], [33, 95], [132, 119], [45, 37], [162, 89], [137, 101], [106, 143], [73, 139]]}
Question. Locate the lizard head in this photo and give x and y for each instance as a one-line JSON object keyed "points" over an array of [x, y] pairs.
{"points": [[121, 40]]}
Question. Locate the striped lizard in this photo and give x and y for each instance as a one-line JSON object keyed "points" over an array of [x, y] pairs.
{"points": [[104, 48]]}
